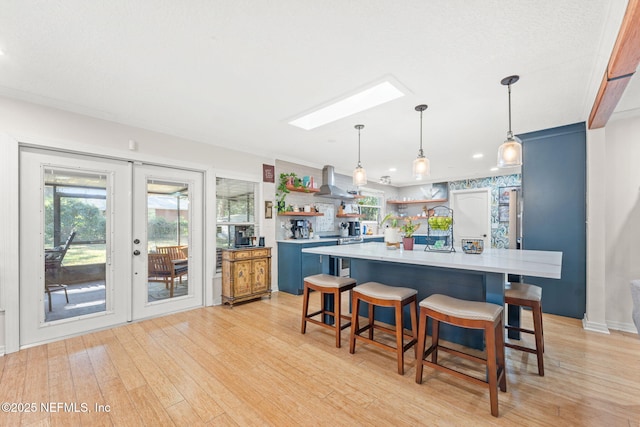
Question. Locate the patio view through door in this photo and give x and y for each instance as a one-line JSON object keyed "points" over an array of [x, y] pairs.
{"points": [[167, 240], [76, 251]]}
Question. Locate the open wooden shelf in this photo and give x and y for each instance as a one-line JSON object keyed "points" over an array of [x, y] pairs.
{"points": [[302, 189], [300, 214], [414, 202], [349, 216]]}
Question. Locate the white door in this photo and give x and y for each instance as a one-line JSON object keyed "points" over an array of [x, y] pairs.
{"points": [[75, 225], [167, 240], [78, 265], [471, 215]]}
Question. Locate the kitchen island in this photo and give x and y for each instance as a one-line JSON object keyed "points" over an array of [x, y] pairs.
{"points": [[475, 277]]}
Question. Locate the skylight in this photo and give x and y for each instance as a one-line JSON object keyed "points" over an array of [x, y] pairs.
{"points": [[368, 98]]}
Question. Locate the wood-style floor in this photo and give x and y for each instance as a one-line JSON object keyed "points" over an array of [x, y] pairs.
{"points": [[250, 365]]}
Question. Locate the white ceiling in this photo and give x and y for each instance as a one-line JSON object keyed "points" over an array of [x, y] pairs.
{"points": [[233, 72]]}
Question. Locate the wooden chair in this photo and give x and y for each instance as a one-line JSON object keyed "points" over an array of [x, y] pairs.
{"points": [[177, 255], [161, 269], [53, 264], [465, 314]]}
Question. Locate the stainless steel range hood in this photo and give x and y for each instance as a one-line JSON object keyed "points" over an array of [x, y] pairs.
{"points": [[328, 188]]}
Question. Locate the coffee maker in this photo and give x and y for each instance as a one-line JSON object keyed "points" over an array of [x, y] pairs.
{"points": [[354, 228], [300, 229]]}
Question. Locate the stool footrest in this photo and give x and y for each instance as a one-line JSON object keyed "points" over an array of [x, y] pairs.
{"points": [[521, 348], [515, 328], [326, 325]]}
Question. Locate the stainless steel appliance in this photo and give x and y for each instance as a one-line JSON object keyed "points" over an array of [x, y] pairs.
{"points": [[300, 228], [354, 228], [342, 265]]}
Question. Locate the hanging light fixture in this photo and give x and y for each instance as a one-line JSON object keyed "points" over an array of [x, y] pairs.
{"points": [[510, 152], [359, 174], [421, 166]]}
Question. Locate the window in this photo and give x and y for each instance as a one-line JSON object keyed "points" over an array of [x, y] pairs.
{"points": [[371, 209], [235, 214], [80, 208]]}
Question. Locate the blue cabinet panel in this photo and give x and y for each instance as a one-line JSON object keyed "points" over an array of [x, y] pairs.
{"points": [[294, 266], [554, 212]]}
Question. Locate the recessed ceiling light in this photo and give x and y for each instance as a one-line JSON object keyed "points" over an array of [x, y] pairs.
{"points": [[368, 98], [493, 169], [393, 169], [1, 52], [478, 156]]}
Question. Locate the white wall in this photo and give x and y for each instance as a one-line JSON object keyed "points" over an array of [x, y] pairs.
{"points": [[33, 124], [621, 219]]}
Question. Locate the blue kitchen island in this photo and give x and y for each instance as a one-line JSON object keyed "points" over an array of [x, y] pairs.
{"points": [[475, 277]]}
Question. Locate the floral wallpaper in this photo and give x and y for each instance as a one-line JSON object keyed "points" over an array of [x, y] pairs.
{"points": [[499, 230]]}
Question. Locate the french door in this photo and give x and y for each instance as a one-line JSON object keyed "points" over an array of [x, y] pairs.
{"points": [[80, 268], [167, 240]]}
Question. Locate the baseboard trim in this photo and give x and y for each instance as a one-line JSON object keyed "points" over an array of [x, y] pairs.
{"points": [[594, 326], [621, 326], [2, 353]]}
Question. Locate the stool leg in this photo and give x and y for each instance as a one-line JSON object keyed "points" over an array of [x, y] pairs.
{"points": [[337, 309], [399, 336], [422, 338], [305, 308], [371, 319], [435, 338], [414, 326], [355, 323], [537, 328], [490, 334], [499, 331]]}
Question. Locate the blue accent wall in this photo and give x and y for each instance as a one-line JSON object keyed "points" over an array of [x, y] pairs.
{"points": [[554, 211]]}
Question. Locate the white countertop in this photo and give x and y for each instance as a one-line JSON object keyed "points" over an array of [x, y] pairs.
{"points": [[530, 263]]}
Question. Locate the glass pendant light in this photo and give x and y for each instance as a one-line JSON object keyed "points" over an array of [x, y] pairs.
{"points": [[359, 174], [510, 152], [421, 165]]}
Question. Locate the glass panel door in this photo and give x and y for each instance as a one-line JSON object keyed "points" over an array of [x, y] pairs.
{"points": [[167, 243], [73, 277]]}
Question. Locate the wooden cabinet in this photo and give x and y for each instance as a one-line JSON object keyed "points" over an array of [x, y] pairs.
{"points": [[246, 274]]}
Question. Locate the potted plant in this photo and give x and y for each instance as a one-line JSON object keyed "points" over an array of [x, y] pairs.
{"points": [[408, 228], [282, 190], [391, 232]]}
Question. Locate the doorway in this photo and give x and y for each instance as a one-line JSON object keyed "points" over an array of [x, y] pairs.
{"points": [[472, 215], [78, 267]]}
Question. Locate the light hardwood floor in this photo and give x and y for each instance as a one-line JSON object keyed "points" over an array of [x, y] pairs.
{"points": [[251, 366]]}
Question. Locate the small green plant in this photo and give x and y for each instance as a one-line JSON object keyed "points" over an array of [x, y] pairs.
{"points": [[282, 191], [409, 227], [392, 220]]}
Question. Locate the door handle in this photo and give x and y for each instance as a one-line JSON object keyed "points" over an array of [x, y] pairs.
{"points": [[136, 252]]}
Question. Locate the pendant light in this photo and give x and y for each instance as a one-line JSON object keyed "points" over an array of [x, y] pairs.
{"points": [[421, 166], [510, 152], [359, 174]]}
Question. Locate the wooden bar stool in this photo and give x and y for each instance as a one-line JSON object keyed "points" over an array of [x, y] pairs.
{"points": [[465, 314], [377, 294], [525, 295], [326, 284]]}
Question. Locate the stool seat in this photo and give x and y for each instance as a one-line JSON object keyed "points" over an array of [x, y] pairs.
{"points": [[329, 281], [472, 310], [523, 291], [380, 291], [464, 314]]}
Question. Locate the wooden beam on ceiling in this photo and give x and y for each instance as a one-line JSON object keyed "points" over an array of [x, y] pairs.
{"points": [[623, 63]]}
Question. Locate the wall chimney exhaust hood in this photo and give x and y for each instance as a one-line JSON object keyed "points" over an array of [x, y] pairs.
{"points": [[328, 188]]}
